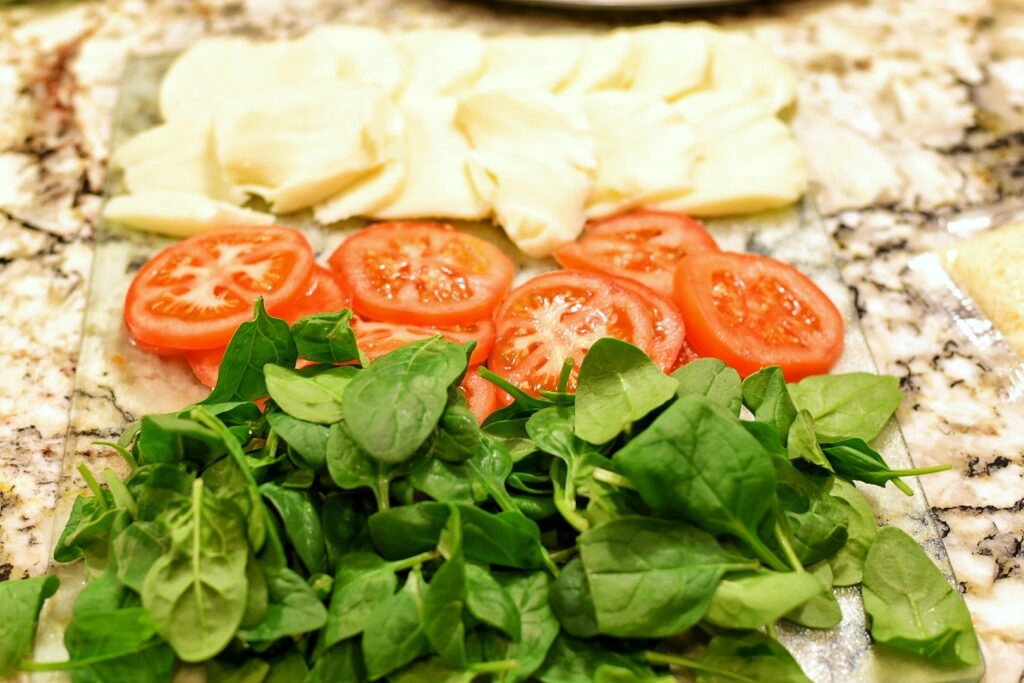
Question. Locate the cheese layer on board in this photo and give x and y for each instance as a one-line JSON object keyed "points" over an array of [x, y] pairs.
{"points": [[181, 214]]}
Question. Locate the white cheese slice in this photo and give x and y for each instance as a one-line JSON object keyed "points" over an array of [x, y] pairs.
{"points": [[537, 154], [441, 62], [176, 156], [668, 60], [362, 54], [604, 63], [534, 63], [751, 169], [218, 68], [713, 113], [437, 182], [740, 63], [299, 145], [181, 214], [645, 151]]}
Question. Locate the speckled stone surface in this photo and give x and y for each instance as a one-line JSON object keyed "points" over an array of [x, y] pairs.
{"points": [[910, 111]]}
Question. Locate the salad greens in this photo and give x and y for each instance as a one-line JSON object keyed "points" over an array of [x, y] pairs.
{"points": [[361, 526]]}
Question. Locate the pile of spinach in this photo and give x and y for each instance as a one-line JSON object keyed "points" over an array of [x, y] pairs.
{"points": [[362, 526]]}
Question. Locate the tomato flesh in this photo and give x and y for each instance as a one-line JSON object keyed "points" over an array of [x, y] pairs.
{"points": [[669, 330], [376, 338], [326, 293], [752, 311], [559, 315], [422, 274], [644, 246], [194, 294], [481, 395]]}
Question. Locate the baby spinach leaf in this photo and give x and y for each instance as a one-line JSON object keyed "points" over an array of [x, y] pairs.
{"points": [[118, 645], [609, 673], [911, 605], [458, 435], [87, 529], [854, 460], [713, 379], [512, 435], [363, 584], [301, 521], [290, 667], [306, 440], [552, 432], [445, 597], [433, 670], [196, 591], [171, 440], [571, 660], [855, 405], [802, 443], [618, 384], [697, 462], [343, 520], [394, 405], [310, 394], [343, 662], [104, 594], [813, 521], [651, 578], [349, 465], [754, 599], [22, 600], [821, 611], [156, 487], [538, 626], [230, 479], [572, 602], [135, 550], [293, 608], [327, 338], [257, 601], [397, 636], [250, 670], [255, 344], [750, 658], [765, 394], [444, 482], [488, 601], [848, 563]]}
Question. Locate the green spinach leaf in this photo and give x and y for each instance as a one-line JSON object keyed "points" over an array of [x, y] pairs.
{"points": [[572, 602], [255, 344], [750, 658], [311, 394], [301, 521], [363, 584], [327, 338], [803, 444], [397, 637], [848, 563], [854, 460], [293, 608], [488, 601], [307, 441], [821, 611], [445, 597], [855, 405], [22, 600], [713, 379], [754, 599], [765, 394]]}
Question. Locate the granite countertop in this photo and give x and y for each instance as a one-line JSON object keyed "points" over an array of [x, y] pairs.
{"points": [[910, 111]]}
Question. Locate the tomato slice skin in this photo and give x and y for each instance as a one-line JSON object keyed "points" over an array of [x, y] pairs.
{"points": [[377, 338], [481, 395], [644, 246], [195, 294], [669, 329], [752, 311], [326, 293], [417, 273], [205, 364], [559, 315]]}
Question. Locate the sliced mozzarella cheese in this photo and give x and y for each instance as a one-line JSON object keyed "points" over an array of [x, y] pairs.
{"points": [[218, 68], [536, 152], [740, 63], [535, 63], [181, 214], [437, 181], [299, 145], [441, 62], [604, 63], [366, 195], [751, 169], [645, 151], [714, 113], [176, 156], [361, 54], [668, 60]]}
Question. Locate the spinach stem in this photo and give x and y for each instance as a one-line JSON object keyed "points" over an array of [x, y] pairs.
{"points": [[771, 630], [414, 561], [565, 374], [564, 555], [565, 500], [119, 492], [122, 451], [270, 445], [208, 419], [787, 549], [494, 667], [549, 563], [517, 394], [762, 551], [613, 478], [383, 492], [688, 663], [72, 664], [93, 485], [498, 493], [902, 486]]}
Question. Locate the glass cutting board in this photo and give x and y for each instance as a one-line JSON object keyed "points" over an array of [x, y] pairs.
{"points": [[116, 383]]}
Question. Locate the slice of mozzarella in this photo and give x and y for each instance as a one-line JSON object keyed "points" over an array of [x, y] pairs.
{"points": [[218, 68], [176, 156], [299, 145], [645, 151], [361, 54], [714, 113], [533, 63], [740, 63], [750, 169], [437, 182], [668, 60], [534, 155], [441, 62], [604, 64], [181, 214]]}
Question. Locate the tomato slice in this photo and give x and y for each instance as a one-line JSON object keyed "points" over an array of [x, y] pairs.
{"points": [[326, 293], [669, 330], [481, 395], [205, 364], [752, 311], [422, 274], [194, 294], [375, 339], [642, 245], [686, 355], [559, 315]]}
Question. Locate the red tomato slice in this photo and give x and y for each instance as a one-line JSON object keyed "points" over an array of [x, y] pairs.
{"points": [[375, 339], [422, 274], [644, 246], [560, 315], [481, 395], [195, 294], [326, 294], [205, 364], [686, 355], [752, 311], [669, 330]]}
